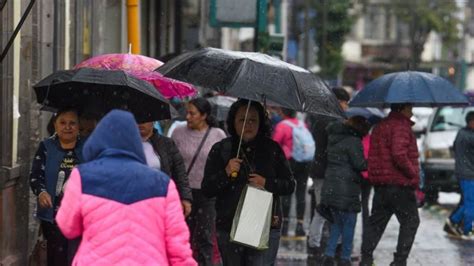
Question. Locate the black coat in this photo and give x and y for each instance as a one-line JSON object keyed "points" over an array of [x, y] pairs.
{"points": [[341, 188], [464, 154], [318, 126], [264, 156], [172, 163]]}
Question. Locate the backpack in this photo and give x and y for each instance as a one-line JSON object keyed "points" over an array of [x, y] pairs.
{"points": [[304, 146]]}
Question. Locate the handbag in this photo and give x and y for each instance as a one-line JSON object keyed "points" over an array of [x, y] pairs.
{"points": [[253, 218], [198, 150], [38, 256]]}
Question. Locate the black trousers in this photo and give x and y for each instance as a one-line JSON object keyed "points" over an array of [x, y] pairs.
{"points": [[201, 225], [365, 188], [389, 200], [300, 172], [57, 244]]}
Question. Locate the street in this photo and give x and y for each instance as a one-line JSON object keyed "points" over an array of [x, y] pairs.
{"points": [[431, 247]]}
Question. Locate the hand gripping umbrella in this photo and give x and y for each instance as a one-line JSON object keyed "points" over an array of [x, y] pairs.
{"points": [[104, 89]]}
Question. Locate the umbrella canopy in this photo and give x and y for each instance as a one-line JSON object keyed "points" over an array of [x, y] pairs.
{"points": [[141, 67], [254, 76], [221, 105], [105, 89], [373, 115], [418, 88], [126, 62]]}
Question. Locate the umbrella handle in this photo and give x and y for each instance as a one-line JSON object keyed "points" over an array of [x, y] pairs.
{"points": [[234, 174]]}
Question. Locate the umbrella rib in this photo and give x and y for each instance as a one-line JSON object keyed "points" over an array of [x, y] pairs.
{"points": [[236, 76], [432, 96], [297, 90]]}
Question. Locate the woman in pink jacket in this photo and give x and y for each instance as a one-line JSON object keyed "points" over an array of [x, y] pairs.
{"points": [[126, 212]]}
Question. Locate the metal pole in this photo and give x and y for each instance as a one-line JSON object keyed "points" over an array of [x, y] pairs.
{"points": [[133, 22], [306, 34], [17, 29]]}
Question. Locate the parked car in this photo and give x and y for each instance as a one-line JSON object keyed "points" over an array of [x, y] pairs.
{"points": [[438, 155]]}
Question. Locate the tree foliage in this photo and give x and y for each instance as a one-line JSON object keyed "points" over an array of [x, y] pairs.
{"points": [[424, 16], [333, 22]]}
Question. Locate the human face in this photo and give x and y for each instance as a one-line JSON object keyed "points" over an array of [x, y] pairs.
{"points": [[146, 130], [344, 105], [251, 125], [195, 119], [67, 127]]}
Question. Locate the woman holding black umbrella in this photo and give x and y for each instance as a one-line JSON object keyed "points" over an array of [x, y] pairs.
{"points": [[52, 164], [260, 163]]}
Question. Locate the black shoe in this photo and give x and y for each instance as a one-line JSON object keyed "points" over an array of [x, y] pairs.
{"points": [[452, 229], [366, 261], [284, 227], [344, 263], [338, 251], [314, 253], [398, 263], [299, 230], [328, 261]]}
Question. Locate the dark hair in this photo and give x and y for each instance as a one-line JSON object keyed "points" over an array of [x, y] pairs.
{"points": [[264, 128], [469, 117], [341, 94], [288, 112], [360, 124], [398, 107], [52, 120], [204, 107]]}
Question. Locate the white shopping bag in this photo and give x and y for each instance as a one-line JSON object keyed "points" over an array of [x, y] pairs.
{"points": [[252, 219]]}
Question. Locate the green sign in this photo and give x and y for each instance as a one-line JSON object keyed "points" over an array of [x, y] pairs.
{"points": [[233, 13]]}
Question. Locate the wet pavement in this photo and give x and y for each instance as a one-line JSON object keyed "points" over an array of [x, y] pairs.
{"points": [[431, 247]]}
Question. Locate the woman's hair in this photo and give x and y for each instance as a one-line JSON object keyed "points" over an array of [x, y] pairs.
{"points": [[204, 107], [360, 124], [264, 127]]}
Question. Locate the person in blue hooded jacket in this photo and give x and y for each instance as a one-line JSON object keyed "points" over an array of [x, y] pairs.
{"points": [[55, 158]]}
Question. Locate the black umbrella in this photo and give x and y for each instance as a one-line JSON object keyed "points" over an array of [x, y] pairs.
{"points": [[221, 106], [105, 89], [254, 76]]}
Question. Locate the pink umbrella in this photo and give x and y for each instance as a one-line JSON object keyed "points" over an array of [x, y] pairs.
{"points": [[141, 67]]}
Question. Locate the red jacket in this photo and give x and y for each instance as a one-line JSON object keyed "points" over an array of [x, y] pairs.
{"points": [[393, 154]]}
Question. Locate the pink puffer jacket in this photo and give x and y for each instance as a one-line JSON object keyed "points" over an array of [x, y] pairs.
{"points": [[146, 232]]}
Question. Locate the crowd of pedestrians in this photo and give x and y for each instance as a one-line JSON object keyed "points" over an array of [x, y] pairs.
{"points": [[122, 192]]}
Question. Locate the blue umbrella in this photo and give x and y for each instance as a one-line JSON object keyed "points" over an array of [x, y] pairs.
{"points": [[418, 88], [373, 115]]}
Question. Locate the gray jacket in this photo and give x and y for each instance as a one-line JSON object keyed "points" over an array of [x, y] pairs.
{"points": [[464, 154]]}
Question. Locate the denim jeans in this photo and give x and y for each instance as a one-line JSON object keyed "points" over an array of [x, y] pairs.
{"points": [[465, 212], [343, 226], [234, 254], [317, 223]]}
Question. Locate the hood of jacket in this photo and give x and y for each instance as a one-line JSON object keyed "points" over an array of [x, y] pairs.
{"points": [[115, 135], [337, 131]]}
